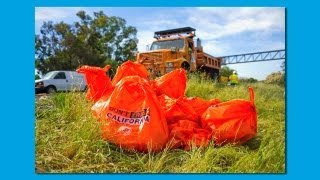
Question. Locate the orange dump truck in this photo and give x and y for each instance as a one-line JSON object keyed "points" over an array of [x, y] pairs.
{"points": [[177, 48]]}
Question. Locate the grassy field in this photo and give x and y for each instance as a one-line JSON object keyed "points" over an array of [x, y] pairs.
{"points": [[68, 138]]}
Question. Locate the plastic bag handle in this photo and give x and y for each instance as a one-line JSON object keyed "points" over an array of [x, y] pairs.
{"points": [[106, 68], [250, 89], [85, 68]]}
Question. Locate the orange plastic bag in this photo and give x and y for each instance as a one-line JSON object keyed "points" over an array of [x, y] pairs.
{"points": [[200, 105], [172, 84], [176, 109], [184, 133], [234, 121], [99, 84], [131, 117], [130, 68]]}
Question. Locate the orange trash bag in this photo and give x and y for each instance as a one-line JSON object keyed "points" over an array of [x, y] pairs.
{"points": [[184, 133], [234, 121], [176, 109], [131, 116], [200, 105], [98, 82], [172, 84], [130, 68]]}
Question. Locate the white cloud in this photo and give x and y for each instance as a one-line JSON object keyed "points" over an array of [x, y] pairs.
{"points": [[215, 26], [215, 48], [216, 23], [145, 38], [160, 24], [227, 31]]}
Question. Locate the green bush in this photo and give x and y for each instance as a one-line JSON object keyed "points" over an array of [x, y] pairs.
{"points": [[37, 77], [276, 78], [248, 80]]}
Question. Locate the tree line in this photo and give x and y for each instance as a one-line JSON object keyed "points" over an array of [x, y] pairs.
{"points": [[92, 40]]}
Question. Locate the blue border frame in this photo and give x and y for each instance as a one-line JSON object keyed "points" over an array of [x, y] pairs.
{"points": [[164, 3]]}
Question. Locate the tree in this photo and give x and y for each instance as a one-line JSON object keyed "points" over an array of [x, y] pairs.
{"points": [[89, 41], [226, 71], [37, 77], [45, 45]]}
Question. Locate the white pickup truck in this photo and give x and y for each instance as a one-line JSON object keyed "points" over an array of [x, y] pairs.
{"points": [[60, 81]]}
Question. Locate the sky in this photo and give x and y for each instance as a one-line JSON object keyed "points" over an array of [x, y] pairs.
{"points": [[222, 30]]}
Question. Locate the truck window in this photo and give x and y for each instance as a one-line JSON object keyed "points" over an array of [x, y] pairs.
{"points": [[167, 44], [49, 75], [60, 75]]}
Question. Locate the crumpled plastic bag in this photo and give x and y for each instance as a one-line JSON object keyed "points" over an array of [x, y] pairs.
{"points": [[200, 105], [131, 116], [172, 84], [177, 109], [99, 84], [184, 122], [233, 121], [185, 133]]}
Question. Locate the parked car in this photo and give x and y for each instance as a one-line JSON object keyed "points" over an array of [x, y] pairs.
{"points": [[60, 81]]}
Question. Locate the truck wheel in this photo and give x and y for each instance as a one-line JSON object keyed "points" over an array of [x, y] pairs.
{"points": [[185, 66], [51, 89]]}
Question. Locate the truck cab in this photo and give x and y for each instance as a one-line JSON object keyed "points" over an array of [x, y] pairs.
{"points": [[60, 81], [172, 49], [175, 48]]}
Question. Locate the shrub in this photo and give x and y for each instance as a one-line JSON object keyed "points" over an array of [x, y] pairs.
{"points": [[276, 78], [248, 80], [37, 77]]}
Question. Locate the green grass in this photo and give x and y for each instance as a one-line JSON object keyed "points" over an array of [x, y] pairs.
{"points": [[68, 138]]}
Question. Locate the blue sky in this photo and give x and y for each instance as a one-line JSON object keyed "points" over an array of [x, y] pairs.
{"points": [[223, 30]]}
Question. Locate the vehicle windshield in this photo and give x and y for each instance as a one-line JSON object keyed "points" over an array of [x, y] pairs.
{"points": [[179, 43], [49, 75]]}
